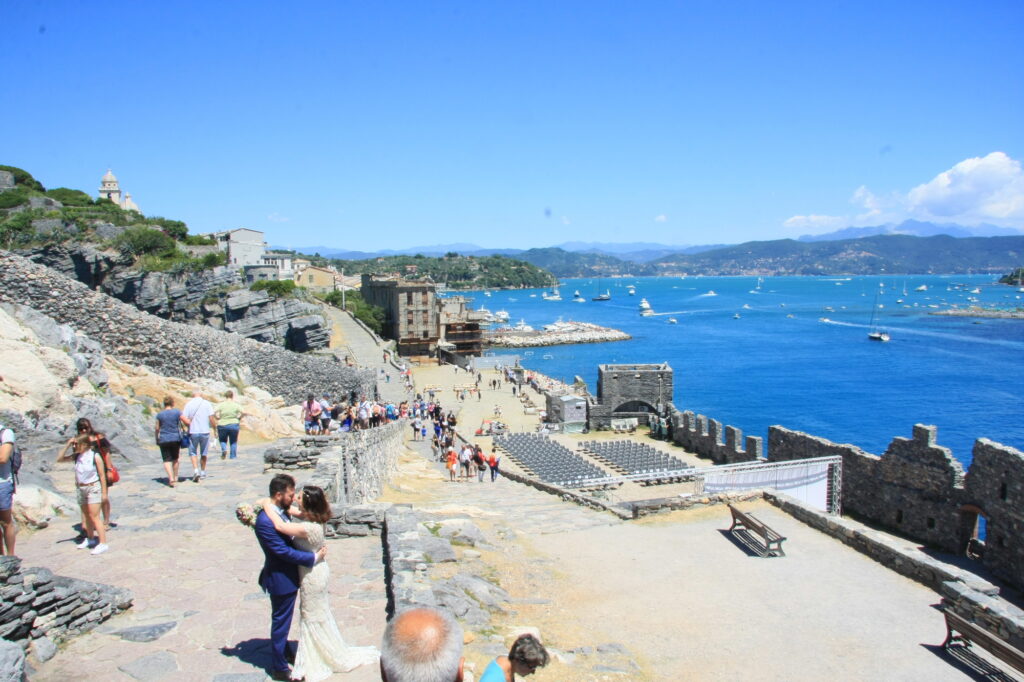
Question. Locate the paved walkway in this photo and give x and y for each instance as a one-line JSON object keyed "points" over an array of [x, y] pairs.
{"points": [[193, 570]]}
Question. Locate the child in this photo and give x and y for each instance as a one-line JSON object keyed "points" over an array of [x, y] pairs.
{"points": [[91, 482]]}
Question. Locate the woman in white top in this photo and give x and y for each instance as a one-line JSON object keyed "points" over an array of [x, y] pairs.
{"points": [[91, 482], [322, 650]]}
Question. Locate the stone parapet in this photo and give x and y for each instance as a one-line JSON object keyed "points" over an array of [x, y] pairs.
{"points": [[893, 553], [989, 612], [703, 437]]}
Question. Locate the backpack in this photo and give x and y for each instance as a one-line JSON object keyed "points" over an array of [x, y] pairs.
{"points": [[16, 457]]}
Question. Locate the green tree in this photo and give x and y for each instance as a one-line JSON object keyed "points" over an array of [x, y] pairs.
{"points": [[277, 288]]}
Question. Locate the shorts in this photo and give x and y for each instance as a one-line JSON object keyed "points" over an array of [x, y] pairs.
{"points": [[6, 495], [198, 444], [90, 493], [169, 451]]}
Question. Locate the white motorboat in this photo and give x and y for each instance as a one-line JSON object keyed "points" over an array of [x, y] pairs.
{"points": [[501, 315], [577, 297], [673, 320], [522, 327], [631, 289], [644, 305], [923, 287]]}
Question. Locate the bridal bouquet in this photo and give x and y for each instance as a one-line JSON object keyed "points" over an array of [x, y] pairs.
{"points": [[246, 513]]}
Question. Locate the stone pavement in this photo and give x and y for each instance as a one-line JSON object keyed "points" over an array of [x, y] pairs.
{"points": [[348, 338], [198, 612]]}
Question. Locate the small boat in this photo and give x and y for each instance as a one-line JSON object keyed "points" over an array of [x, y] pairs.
{"points": [[501, 315], [606, 296], [923, 287], [522, 327], [711, 292], [577, 297], [673, 320], [553, 296], [824, 319], [644, 305], [631, 289], [746, 306], [975, 290], [533, 295], [829, 309], [736, 316], [646, 313], [487, 293], [547, 356]]}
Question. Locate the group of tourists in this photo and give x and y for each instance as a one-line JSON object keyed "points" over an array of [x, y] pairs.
{"points": [[191, 427], [471, 461], [323, 416]]}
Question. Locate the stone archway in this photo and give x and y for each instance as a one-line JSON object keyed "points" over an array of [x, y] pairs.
{"points": [[636, 406], [973, 522]]}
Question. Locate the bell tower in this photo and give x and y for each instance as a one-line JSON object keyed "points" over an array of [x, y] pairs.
{"points": [[109, 189]]}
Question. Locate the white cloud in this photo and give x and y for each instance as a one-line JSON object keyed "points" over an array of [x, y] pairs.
{"points": [[661, 218], [277, 218], [987, 189]]}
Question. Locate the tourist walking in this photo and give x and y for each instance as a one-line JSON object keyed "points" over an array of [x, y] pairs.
{"points": [[91, 483], [311, 415], [102, 446], [8, 527], [199, 418], [322, 650], [492, 462], [168, 439], [465, 457], [325, 414], [481, 465], [452, 460], [229, 417]]}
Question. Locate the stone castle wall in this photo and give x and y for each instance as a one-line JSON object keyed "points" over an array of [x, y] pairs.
{"points": [[703, 437], [172, 348], [919, 490]]}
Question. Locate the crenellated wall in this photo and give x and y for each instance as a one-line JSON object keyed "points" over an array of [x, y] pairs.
{"points": [[918, 489], [703, 437]]}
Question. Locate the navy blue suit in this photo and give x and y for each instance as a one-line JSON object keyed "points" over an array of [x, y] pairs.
{"points": [[280, 579]]}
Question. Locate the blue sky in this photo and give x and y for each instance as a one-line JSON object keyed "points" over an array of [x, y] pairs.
{"points": [[519, 124]]}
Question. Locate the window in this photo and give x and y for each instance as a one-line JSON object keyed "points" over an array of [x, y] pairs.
{"points": [[408, 298], [310, 279]]}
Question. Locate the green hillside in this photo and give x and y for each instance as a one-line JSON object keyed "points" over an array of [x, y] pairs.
{"points": [[457, 272]]}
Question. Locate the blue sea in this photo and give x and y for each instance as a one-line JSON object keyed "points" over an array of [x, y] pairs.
{"points": [[779, 363]]}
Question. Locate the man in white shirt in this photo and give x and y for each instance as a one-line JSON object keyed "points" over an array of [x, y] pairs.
{"points": [[8, 528], [198, 416]]}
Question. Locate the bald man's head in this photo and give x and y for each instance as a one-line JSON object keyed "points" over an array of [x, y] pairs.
{"points": [[422, 645]]}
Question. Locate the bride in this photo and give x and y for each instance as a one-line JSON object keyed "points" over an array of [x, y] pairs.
{"points": [[322, 650]]}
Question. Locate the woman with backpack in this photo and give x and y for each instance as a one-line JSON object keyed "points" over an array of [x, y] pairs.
{"points": [[91, 483], [102, 446]]}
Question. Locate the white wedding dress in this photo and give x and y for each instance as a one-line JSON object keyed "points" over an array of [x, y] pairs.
{"points": [[322, 650]]}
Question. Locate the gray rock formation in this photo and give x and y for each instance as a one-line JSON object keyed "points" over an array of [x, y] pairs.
{"points": [[212, 297], [6, 180]]}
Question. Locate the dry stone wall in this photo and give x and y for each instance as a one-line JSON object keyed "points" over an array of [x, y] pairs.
{"points": [[171, 348], [703, 437], [38, 607]]}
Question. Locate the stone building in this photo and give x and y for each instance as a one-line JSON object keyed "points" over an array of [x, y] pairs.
{"points": [[420, 321], [111, 189], [321, 280], [283, 262], [258, 273], [244, 246], [623, 391]]}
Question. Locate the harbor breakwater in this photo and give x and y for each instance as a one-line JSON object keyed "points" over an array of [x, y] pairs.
{"points": [[565, 334]]}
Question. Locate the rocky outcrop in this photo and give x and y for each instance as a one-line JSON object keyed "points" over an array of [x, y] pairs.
{"points": [[214, 297], [173, 349]]}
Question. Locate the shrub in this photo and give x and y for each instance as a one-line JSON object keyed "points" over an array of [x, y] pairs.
{"points": [[175, 229], [275, 287], [140, 240], [13, 197], [70, 197], [24, 178], [212, 260], [198, 240]]}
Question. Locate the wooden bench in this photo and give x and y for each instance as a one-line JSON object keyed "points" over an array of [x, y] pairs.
{"points": [[772, 540], [971, 633]]}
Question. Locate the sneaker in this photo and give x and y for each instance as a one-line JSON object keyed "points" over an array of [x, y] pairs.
{"points": [[223, 455], [84, 544], [195, 477], [100, 548], [202, 474]]}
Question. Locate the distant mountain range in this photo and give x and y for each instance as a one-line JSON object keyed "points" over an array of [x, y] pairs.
{"points": [[908, 247], [915, 228]]}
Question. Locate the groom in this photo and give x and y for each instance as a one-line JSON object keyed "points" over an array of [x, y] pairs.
{"points": [[280, 574]]}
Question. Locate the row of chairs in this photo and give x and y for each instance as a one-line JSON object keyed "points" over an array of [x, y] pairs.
{"points": [[629, 457], [550, 461]]}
